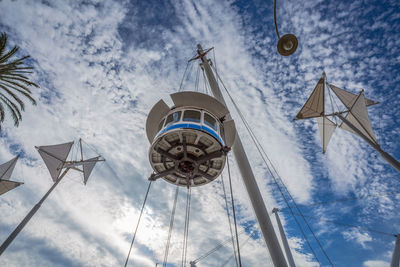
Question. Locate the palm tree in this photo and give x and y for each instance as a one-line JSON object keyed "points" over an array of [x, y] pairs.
{"points": [[13, 82]]}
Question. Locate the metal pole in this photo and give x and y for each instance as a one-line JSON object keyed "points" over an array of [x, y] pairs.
{"points": [[289, 255], [392, 161], [396, 253], [30, 215], [249, 180]]}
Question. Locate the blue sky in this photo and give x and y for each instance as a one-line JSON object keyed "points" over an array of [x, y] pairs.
{"points": [[102, 65]]}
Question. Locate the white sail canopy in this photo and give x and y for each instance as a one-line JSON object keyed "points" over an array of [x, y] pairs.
{"points": [[348, 98], [314, 107], [54, 157], [88, 166], [6, 186], [7, 168], [358, 116], [326, 128]]}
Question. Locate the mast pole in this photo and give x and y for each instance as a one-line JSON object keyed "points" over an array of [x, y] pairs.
{"points": [[289, 255], [396, 253], [30, 215], [80, 145], [392, 161], [249, 180]]}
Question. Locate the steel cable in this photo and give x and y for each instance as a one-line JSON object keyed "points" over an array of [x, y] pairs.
{"points": [[171, 226], [137, 225], [233, 211], [260, 148]]}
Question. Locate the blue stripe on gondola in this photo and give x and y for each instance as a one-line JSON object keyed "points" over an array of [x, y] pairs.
{"points": [[192, 126]]}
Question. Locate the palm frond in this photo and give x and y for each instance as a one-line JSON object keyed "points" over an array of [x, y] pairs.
{"points": [[3, 42], [10, 53], [26, 94], [16, 98], [27, 82], [13, 82], [20, 85], [2, 113], [15, 113]]}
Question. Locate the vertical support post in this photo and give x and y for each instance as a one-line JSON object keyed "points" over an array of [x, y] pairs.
{"points": [[249, 180], [389, 159], [80, 145], [27, 218], [396, 253], [289, 255]]}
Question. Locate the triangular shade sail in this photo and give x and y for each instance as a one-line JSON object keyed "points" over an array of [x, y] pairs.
{"points": [[88, 166], [7, 168], [314, 107], [54, 157], [358, 116], [6, 186], [326, 128], [348, 98]]}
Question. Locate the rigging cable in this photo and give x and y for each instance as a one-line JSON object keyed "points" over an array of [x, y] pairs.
{"points": [[332, 101], [220, 245], [137, 225], [229, 219], [205, 83], [196, 84], [330, 95], [259, 148], [243, 244], [171, 225], [186, 228], [233, 211], [183, 77], [349, 225], [348, 199]]}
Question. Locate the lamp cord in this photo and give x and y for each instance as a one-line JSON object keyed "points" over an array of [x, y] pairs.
{"points": [[276, 25]]}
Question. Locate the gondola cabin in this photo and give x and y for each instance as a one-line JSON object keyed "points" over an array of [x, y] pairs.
{"points": [[189, 141]]}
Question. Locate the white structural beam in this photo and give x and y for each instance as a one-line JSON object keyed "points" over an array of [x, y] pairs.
{"points": [[392, 161], [396, 253], [249, 180], [29, 216], [289, 255]]}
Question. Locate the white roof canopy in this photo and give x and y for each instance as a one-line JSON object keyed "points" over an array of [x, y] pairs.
{"points": [[88, 166], [358, 116], [326, 128], [314, 107], [6, 170], [54, 157]]}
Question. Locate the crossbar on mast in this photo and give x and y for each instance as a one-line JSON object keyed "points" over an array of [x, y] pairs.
{"points": [[249, 180]]}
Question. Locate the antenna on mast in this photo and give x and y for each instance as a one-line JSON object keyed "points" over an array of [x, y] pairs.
{"points": [[6, 170], [55, 158]]}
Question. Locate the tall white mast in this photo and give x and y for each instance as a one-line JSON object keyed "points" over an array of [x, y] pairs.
{"points": [[249, 180]]}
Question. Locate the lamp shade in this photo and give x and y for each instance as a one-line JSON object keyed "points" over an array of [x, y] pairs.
{"points": [[287, 44]]}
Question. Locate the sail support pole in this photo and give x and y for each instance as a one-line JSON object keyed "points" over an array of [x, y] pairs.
{"points": [[289, 255], [392, 161], [249, 180], [396, 253], [27, 218]]}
